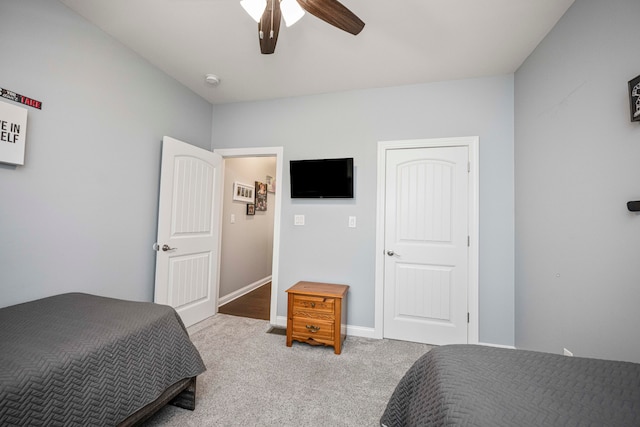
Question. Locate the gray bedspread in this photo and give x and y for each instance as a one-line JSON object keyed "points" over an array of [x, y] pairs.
{"points": [[481, 386], [78, 359]]}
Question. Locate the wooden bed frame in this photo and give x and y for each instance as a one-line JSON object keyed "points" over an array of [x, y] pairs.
{"points": [[181, 394]]}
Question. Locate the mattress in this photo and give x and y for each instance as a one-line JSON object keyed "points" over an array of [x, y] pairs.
{"points": [[483, 386], [79, 359]]}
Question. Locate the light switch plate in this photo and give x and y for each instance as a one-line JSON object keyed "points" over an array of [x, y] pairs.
{"points": [[352, 222], [298, 220]]}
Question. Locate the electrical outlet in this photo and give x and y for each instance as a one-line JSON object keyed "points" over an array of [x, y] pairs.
{"points": [[568, 353], [352, 222], [298, 220]]}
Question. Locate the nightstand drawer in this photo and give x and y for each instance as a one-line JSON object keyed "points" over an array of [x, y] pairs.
{"points": [[319, 330], [311, 303]]}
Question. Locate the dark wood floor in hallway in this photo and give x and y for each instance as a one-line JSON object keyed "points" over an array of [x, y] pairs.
{"points": [[256, 304]]}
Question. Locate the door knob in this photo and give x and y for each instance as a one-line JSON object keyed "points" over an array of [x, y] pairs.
{"points": [[168, 248], [391, 253]]}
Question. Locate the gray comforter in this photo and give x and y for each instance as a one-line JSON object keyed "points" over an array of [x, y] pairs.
{"points": [[481, 386], [78, 359]]}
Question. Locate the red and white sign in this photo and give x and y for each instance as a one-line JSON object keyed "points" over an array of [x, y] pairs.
{"points": [[16, 97]]}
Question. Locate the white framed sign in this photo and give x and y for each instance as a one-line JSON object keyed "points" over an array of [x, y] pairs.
{"points": [[13, 132]]}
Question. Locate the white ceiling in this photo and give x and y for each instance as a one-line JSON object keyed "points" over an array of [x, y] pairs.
{"points": [[403, 42]]}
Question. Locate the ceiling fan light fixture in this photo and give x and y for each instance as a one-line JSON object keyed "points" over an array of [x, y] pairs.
{"points": [[291, 11], [255, 8]]}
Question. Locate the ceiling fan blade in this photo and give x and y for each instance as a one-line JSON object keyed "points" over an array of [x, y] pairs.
{"points": [[334, 13], [269, 27]]}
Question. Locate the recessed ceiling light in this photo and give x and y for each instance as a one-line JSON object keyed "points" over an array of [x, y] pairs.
{"points": [[212, 79]]}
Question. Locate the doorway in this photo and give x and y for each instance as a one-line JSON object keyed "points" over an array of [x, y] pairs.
{"points": [[427, 241], [251, 286]]}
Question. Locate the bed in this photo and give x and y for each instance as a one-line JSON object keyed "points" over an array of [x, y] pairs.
{"points": [[483, 386], [79, 359]]}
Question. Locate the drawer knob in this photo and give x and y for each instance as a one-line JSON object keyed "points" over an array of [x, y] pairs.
{"points": [[313, 304], [313, 329]]}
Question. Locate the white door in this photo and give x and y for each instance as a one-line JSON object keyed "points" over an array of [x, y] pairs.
{"points": [[426, 245], [188, 230]]}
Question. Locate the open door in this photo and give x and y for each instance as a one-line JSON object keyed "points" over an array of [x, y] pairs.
{"points": [[188, 241]]}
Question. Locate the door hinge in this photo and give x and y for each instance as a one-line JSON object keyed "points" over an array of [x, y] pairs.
{"points": [[468, 318], [468, 166], [468, 241]]}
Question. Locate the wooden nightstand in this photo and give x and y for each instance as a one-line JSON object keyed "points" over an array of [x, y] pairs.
{"points": [[317, 314]]}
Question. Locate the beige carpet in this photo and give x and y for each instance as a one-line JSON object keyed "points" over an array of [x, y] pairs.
{"points": [[254, 379]]}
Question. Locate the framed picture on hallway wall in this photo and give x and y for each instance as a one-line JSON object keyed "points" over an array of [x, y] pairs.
{"points": [[634, 99], [271, 184], [243, 192], [261, 196]]}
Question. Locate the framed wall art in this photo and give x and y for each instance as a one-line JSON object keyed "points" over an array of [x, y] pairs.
{"points": [[634, 99], [13, 131], [243, 192], [251, 209], [261, 196], [271, 184]]}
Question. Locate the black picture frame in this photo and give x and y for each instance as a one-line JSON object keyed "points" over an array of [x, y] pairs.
{"points": [[634, 99], [251, 209]]}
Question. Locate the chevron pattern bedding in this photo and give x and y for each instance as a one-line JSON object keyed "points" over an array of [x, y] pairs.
{"points": [[465, 385], [83, 360]]}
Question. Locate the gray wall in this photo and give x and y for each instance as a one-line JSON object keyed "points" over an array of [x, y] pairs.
{"points": [[577, 154], [349, 125], [80, 215], [247, 244]]}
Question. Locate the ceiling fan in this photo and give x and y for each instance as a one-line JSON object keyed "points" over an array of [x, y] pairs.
{"points": [[268, 13]]}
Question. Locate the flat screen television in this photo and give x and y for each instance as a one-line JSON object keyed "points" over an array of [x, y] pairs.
{"points": [[321, 179]]}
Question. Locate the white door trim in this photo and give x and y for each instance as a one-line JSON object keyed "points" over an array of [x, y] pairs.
{"points": [[278, 152], [472, 142]]}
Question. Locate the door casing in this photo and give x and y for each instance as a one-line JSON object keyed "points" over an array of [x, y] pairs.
{"points": [[472, 142]]}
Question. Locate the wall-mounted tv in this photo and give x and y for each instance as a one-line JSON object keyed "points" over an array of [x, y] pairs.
{"points": [[321, 179]]}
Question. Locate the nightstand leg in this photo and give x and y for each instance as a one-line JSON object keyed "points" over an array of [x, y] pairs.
{"points": [[337, 329], [289, 332], [289, 321]]}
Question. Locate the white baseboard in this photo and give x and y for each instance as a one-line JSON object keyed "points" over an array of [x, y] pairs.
{"points": [[243, 291], [354, 331], [510, 347], [360, 331], [281, 321]]}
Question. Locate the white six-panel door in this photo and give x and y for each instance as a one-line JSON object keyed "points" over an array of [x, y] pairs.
{"points": [[188, 230], [426, 245]]}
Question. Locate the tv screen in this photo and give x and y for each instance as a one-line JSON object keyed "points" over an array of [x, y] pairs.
{"points": [[321, 179]]}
